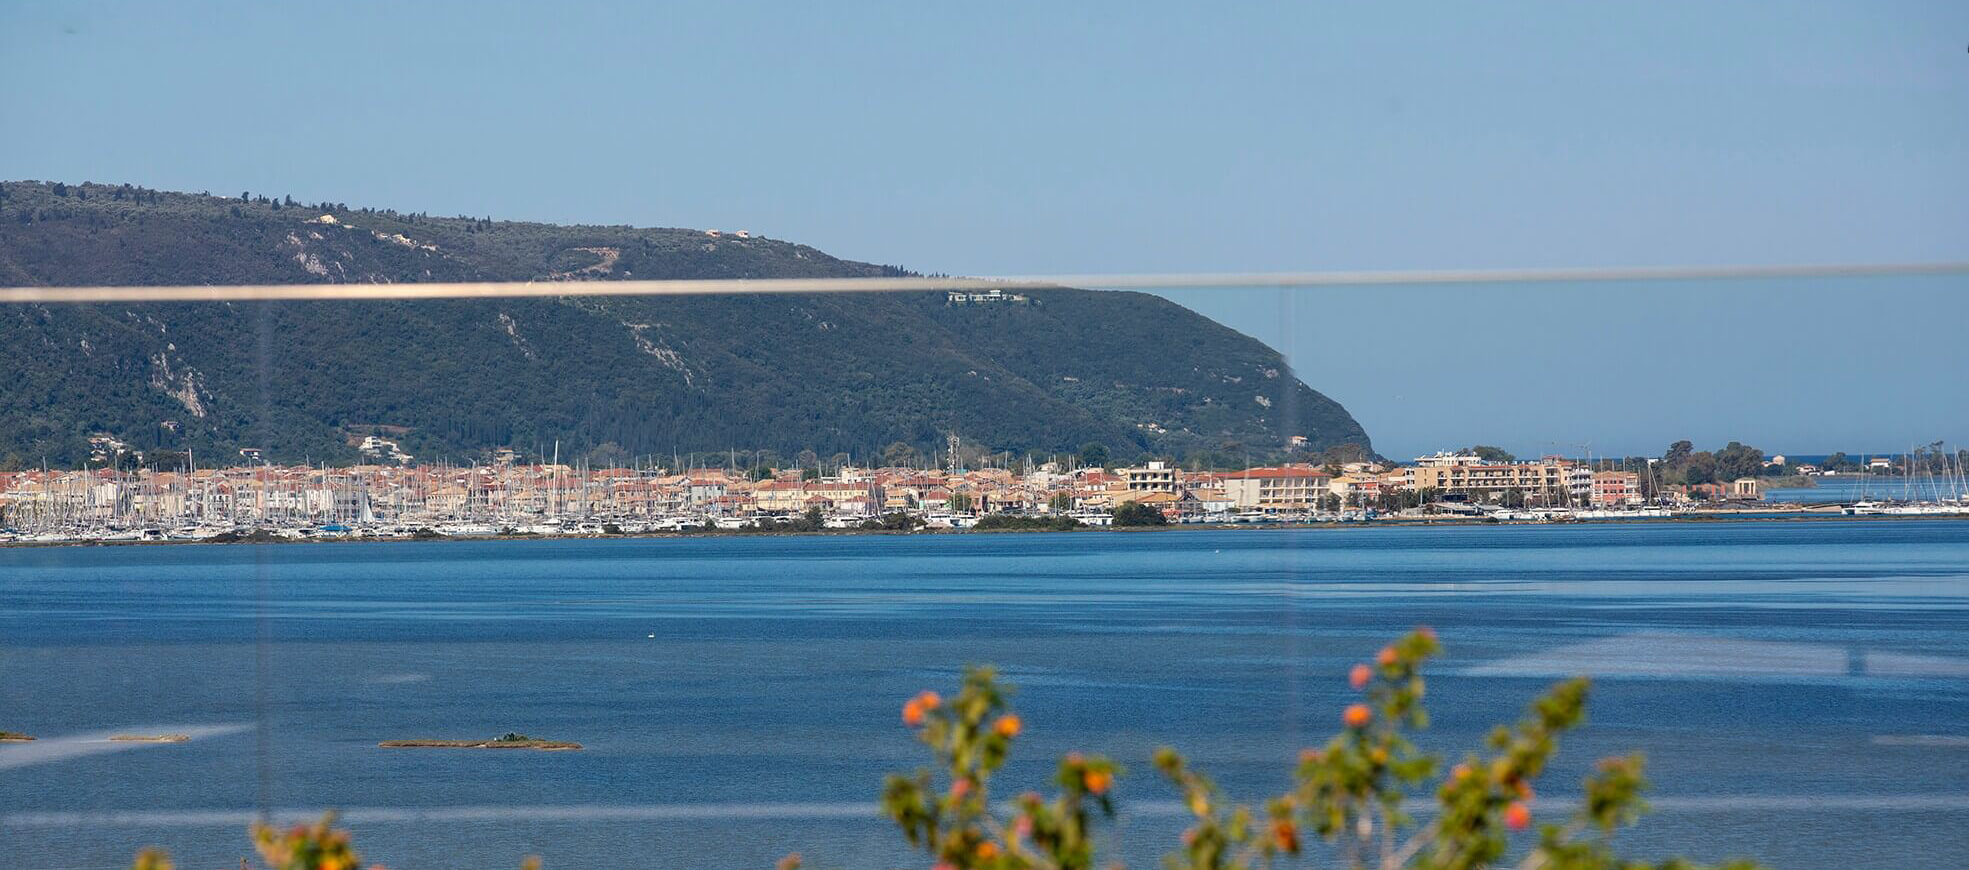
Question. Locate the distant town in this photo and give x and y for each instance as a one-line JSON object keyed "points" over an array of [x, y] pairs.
{"points": [[258, 500]]}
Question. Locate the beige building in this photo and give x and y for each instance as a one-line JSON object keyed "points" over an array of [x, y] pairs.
{"points": [[849, 496], [1157, 476], [1280, 488], [780, 496], [1356, 489], [1546, 479]]}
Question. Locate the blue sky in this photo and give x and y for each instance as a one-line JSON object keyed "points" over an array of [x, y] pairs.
{"points": [[1128, 137]]}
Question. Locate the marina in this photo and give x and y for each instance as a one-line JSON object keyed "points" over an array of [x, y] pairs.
{"points": [[269, 503]]}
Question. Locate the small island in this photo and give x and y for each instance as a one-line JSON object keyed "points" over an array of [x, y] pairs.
{"points": [[14, 737], [509, 740], [150, 738]]}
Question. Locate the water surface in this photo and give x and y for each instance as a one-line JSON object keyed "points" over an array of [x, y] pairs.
{"points": [[1802, 689]]}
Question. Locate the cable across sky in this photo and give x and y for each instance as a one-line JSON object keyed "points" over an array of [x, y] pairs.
{"points": [[1144, 281]]}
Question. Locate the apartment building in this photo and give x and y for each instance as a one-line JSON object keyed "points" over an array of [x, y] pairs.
{"points": [[860, 497], [1157, 476], [1548, 479], [1278, 488], [1616, 489], [1356, 490], [780, 496]]}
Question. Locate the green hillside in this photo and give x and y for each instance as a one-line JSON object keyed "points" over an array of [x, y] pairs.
{"points": [[830, 373]]}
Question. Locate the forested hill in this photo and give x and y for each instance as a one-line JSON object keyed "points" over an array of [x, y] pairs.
{"points": [[608, 376]]}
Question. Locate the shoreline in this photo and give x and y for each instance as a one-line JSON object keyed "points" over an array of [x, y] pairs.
{"points": [[1800, 514]]}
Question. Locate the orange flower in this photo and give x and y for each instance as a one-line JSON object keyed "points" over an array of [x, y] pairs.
{"points": [[1457, 773], [1357, 716], [1387, 657], [1285, 836], [930, 700], [1524, 789], [960, 788], [912, 712], [1007, 726], [1359, 676], [1517, 816], [1097, 781], [987, 850]]}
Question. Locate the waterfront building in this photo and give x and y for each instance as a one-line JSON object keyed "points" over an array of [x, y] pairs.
{"points": [[1579, 482], [859, 497], [1616, 489], [780, 496], [1211, 499], [1278, 488], [1356, 490], [1546, 480], [1157, 476]]}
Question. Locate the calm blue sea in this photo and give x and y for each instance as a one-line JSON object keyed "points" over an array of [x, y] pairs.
{"points": [[1801, 689]]}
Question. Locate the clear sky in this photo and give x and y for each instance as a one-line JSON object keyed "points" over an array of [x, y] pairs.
{"points": [[1015, 138]]}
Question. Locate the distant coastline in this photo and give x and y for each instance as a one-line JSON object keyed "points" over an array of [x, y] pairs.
{"points": [[1814, 513]]}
